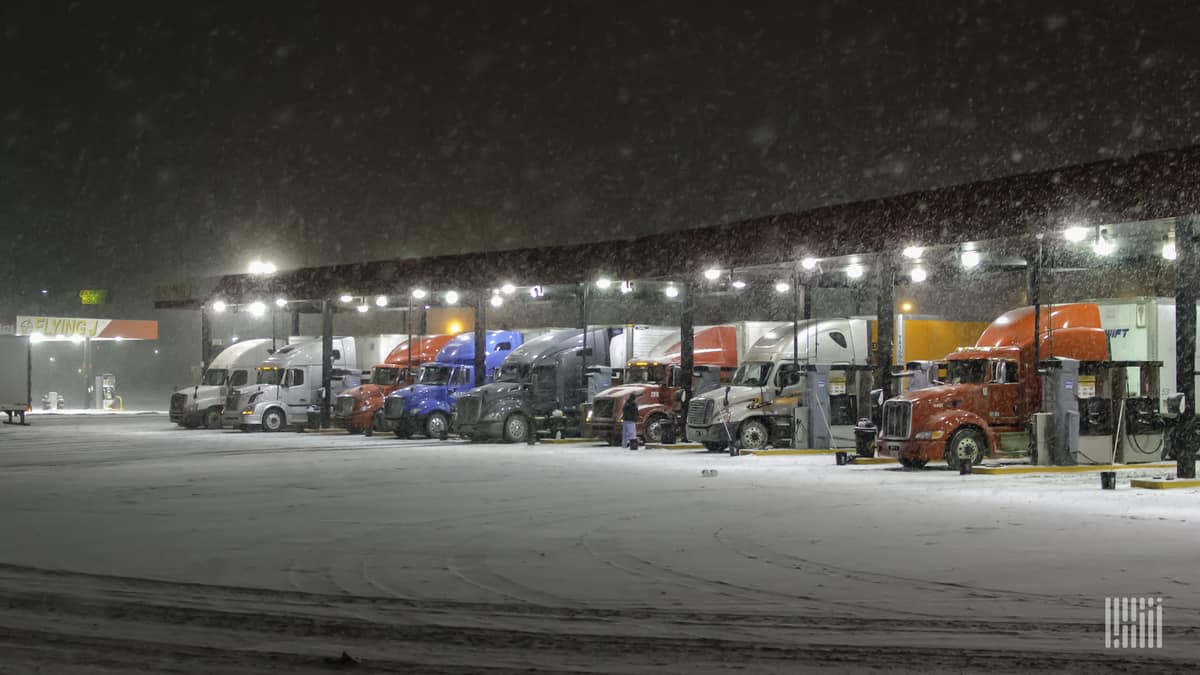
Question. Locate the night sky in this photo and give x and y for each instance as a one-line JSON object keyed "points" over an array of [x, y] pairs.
{"points": [[142, 142]]}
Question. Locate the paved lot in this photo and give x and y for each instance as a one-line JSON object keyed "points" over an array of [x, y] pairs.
{"points": [[131, 544]]}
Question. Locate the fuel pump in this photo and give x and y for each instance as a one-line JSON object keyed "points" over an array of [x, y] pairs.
{"points": [[106, 391], [810, 426], [1101, 385], [849, 393], [1056, 428], [1143, 429]]}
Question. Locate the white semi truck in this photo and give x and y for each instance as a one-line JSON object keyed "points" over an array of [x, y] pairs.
{"points": [[201, 404], [746, 412], [286, 384], [15, 383]]}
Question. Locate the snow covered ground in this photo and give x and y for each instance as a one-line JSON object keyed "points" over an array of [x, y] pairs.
{"points": [[127, 543]]}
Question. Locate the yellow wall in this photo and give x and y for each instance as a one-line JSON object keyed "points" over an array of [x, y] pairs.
{"points": [[927, 339], [444, 320]]}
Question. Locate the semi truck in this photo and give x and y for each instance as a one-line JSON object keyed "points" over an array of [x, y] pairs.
{"points": [[360, 407], [426, 407], [657, 380], [991, 391], [541, 387], [16, 385], [753, 411], [286, 383], [202, 403]]}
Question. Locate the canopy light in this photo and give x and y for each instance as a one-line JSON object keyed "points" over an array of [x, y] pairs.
{"points": [[233, 338], [671, 291], [781, 287], [1075, 234], [913, 252], [362, 309], [626, 287], [419, 293], [257, 309], [451, 297], [345, 297], [536, 291], [603, 283], [262, 267], [738, 284], [1168, 250], [280, 302], [918, 274], [381, 301], [712, 274], [906, 307], [809, 263], [497, 300], [1103, 246], [508, 289], [219, 306], [855, 271], [970, 259]]}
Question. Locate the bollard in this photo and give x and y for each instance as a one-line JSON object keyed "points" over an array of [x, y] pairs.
{"points": [[964, 466], [1108, 480], [842, 458]]}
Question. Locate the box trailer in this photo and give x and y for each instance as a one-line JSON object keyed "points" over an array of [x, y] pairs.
{"points": [[15, 376]]}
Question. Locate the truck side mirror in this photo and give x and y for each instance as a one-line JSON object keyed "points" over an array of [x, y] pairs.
{"points": [[679, 395], [1176, 405]]}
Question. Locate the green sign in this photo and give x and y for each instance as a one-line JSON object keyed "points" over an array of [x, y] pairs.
{"points": [[93, 296]]}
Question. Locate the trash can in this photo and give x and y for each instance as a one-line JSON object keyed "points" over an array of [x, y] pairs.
{"points": [[864, 438], [314, 417], [668, 432]]}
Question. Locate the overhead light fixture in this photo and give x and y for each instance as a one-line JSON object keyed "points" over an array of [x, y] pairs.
{"points": [[1168, 249], [257, 309], [536, 291], [280, 302], [712, 274], [381, 301], [419, 293], [626, 287], [918, 274], [1075, 234], [603, 283], [970, 259], [45, 292], [497, 300], [781, 287], [345, 297], [362, 308], [451, 297], [1103, 246], [809, 263], [906, 307], [671, 291], [233, 338], [77, 339], [738, 284], [855, 271], [508, 289], [262, 267], [219, 306], [913, 252]]}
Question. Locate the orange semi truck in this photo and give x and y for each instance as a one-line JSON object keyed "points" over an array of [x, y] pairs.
{"points": [[991, 390], [356, 409]]}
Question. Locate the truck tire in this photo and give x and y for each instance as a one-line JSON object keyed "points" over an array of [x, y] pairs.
{"points": [[212, 419], [969, 442], [273, 420], [912, 463], [402, 430], [516, 428], [435, 424], [713, 446], [753, 435], [654, 428]]}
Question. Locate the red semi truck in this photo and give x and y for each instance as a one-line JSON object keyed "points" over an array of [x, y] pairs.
{"points": [[658, 379], [356, 409], [991, 390]]}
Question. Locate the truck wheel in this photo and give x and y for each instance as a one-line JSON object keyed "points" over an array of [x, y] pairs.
{"points": [[272, 420], [911, 463], [753, 435], [435, 424], [654, 428], [212, 419], [714, 447], [516, 428], [402, 430], [967, 443]]}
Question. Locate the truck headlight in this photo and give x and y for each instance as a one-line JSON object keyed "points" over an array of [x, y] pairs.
{"points": [[589, 416], [929, 435]]}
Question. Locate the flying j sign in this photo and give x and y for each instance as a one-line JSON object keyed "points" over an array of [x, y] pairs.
{"points": [[51, 327]]}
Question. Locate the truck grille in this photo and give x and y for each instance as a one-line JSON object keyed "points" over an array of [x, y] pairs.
{"points": [[177, 402], [393, 407], [468, 409], [232, 401], [897, 419], [344, 407], [602, 408], [699, 412]]}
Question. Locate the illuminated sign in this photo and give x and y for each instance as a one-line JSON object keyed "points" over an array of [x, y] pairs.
{"points": [[93, 296], [67, 327]]}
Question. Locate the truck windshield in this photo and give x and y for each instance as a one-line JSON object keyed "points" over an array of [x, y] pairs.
{"points": [[270, 375], [646, 375], [514, 372], [214, 377], [752, 374], [385, 376], [434, 375], [969, 371]]}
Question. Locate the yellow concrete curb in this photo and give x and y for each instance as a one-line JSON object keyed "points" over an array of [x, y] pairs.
{"points": [[773, 453], [676, 446], [1085, 468], [875, 460], [1164, 484]]}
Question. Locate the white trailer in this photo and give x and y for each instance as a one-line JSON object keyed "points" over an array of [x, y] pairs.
{"points": [[1143, 329], [15, 382]]}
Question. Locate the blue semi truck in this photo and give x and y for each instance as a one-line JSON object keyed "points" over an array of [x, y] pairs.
{"points": [[426, 407]]}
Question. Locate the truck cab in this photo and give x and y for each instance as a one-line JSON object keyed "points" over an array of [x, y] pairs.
{"points": [[426, 407], [202, 403], [541, 386], [756, 409], [359, 407], [990, 391], [286, 383]]}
